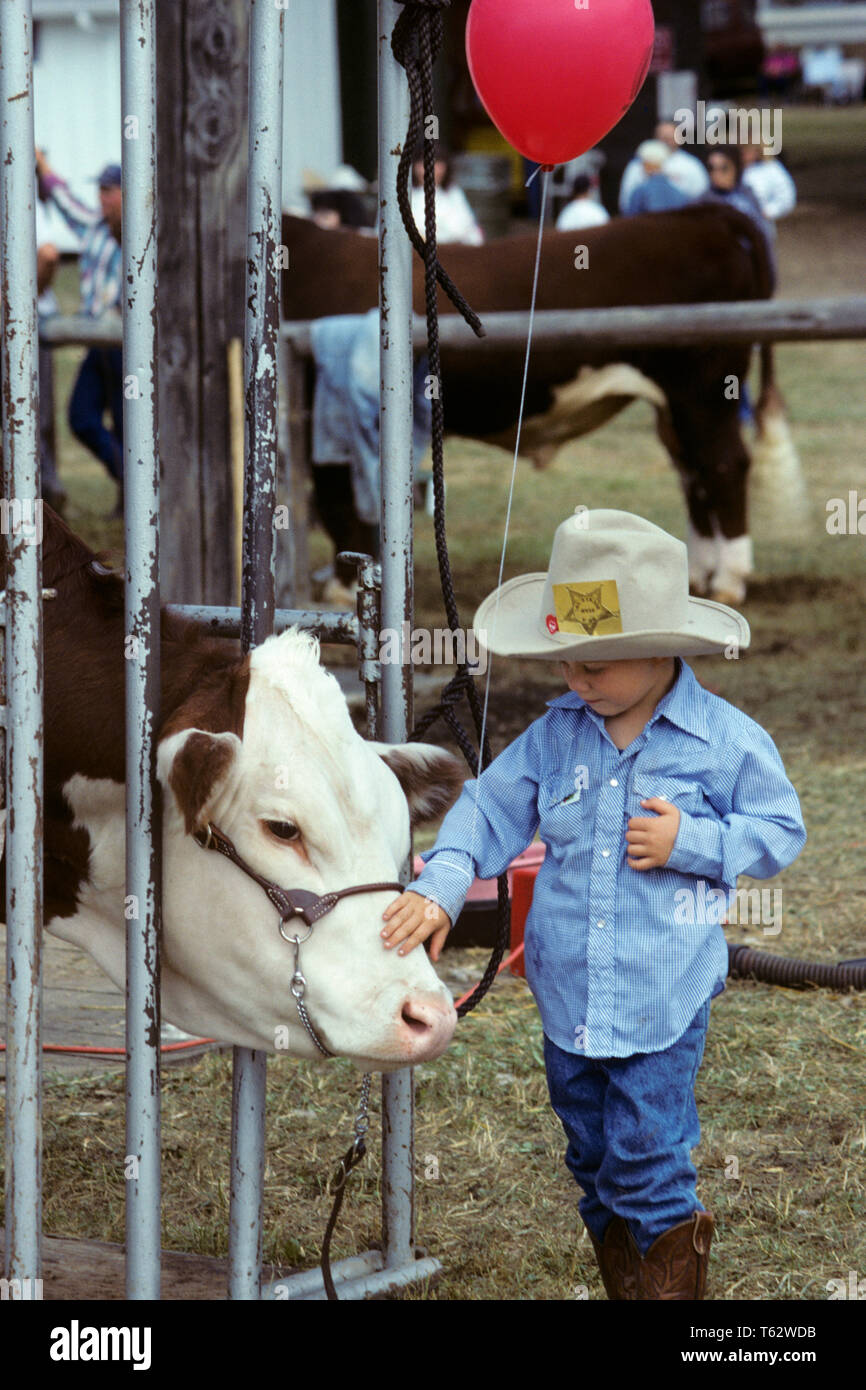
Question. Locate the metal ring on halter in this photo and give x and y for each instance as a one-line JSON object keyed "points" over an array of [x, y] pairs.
{"points": [[294, 940]]}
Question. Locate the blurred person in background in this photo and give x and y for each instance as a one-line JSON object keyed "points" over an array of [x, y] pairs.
{"points": [[583, 210], [685, 171], [99, 385], [770, 182], [455, 220], [655, 192], [47, 261]]}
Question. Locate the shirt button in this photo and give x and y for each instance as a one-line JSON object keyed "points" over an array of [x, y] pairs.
{"points": [[605, 854], [600, 922], [614, 782]]}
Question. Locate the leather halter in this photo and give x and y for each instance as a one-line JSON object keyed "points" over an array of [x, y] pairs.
{"points": [[290, 902]]}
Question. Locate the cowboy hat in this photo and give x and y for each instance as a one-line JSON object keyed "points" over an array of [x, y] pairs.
{"points": [[617, 588]]}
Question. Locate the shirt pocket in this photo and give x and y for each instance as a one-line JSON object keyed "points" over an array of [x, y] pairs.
{"points": [[563, 810], [683, 792]]}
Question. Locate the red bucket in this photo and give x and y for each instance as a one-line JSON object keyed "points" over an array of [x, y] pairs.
{"points": [[522, 886]]}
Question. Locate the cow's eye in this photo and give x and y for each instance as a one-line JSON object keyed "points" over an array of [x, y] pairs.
{"points": [[283, 829]]}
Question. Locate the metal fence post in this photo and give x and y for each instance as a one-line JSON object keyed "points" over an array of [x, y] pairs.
{"points": [[395, 453], [23, 645], [262, 298], [141, 524]]}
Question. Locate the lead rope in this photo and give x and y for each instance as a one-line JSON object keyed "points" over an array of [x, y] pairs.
{"points": [[351, 1158]]}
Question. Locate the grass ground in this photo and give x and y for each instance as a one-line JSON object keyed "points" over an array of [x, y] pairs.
{"points": [[782, 1092]]}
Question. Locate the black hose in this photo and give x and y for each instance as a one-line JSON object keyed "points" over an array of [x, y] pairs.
{"points": [[744, 963]]}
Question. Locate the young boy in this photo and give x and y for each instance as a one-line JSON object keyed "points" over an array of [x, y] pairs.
{"points": [[649, 794]]}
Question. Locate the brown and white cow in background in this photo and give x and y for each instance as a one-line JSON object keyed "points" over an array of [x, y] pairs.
{"points": [[702, 253], [263, 746]]}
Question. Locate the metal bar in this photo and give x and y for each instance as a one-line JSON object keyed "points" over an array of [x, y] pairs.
{"points": [[141, 526], [226, 622], [355, 1278], [310, 1281], [376, 1284], [386, 1281], [262, 298], [395, 453], [23, 644], [667, 325]]}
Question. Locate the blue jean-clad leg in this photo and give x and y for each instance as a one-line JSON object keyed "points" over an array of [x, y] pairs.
{"points": [[651, 1126], [577, 1087], [99, 387], [631, 1124]]}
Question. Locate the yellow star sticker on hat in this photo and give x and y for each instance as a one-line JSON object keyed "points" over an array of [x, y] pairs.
{"points": [[586, 607]]}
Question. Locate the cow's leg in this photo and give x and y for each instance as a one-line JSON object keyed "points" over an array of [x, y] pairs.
{"points": [[713, 464], [701, 540]]}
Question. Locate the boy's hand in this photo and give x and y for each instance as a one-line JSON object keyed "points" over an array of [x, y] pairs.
{"points": [[411, 919], [650, 841]]}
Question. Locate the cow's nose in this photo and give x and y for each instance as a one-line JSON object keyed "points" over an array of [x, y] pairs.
{"points": [[427, 1023]]}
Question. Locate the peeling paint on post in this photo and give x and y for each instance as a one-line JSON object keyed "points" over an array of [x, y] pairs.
{"points": [[262, 298], [141, 522], [23, 648]]}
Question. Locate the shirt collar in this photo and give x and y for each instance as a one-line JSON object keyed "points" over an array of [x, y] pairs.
{"points": [[684, 704]]}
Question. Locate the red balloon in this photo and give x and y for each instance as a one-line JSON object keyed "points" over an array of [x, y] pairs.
{"points": [[556, 75]]}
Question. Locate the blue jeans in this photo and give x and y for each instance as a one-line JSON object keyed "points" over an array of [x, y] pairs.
{"points": [[631, 1123], [99, 387]]}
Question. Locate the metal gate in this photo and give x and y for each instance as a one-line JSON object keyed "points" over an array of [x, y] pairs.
{"points": [[396, 1263]]}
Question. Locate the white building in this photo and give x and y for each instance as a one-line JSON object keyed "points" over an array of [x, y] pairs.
{"points": [[76, 76]]}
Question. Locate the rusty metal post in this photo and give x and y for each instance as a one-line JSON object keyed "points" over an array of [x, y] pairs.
{"points": [[262, 298], [141, 519], [22, 525]]}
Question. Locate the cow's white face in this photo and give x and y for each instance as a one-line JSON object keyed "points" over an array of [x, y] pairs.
{"points": [[226, 970]]}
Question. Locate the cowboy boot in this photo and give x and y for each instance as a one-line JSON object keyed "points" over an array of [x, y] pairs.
{"points": [[675, 1266], [617, 1257]]}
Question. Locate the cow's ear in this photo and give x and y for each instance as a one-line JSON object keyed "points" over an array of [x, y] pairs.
{"points": [[431, 778], [195, 766]]}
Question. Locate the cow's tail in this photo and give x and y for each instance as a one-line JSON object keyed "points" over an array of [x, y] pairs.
{"points": [[778, 500]]}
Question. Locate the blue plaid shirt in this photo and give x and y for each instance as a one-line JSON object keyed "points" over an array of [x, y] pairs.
{"points": [[100, 263], [616, 960]]}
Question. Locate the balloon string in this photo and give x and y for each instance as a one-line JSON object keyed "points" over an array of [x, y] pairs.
{"points": [[544, 187]]}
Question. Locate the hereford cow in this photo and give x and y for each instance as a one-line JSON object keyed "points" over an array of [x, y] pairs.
{"points": [[262, 749], [699, 254]]}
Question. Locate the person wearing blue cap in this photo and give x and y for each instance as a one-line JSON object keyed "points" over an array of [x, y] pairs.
{"points": [[99, 386]]}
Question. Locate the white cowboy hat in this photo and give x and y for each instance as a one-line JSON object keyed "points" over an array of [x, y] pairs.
{"points": [[617, 588]]}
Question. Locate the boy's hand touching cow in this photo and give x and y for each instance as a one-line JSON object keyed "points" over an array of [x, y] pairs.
{"points": [[411, 919]]}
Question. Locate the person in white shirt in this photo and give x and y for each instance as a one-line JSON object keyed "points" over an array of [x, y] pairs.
{"points": [[583, 210], [770, 182], [455, 220], [684, 170]]}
